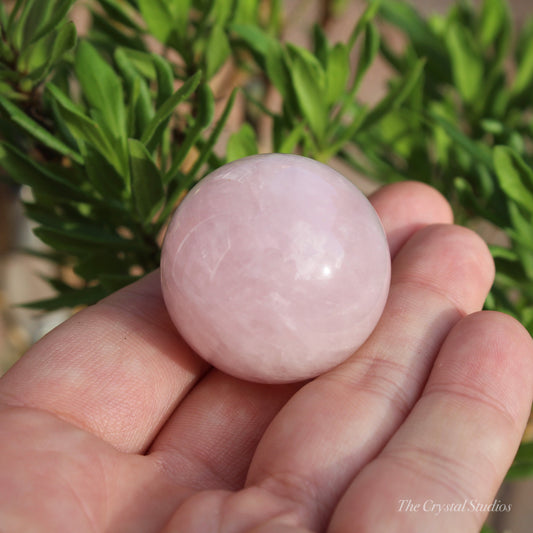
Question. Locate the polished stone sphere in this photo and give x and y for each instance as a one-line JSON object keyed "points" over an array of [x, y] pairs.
{"points": [[275, 268]]}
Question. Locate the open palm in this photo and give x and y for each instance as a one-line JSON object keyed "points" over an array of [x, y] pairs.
{"points": [[112, 424]]}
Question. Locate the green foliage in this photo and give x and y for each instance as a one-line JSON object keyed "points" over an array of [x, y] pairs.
{"points": [[109, 135]]}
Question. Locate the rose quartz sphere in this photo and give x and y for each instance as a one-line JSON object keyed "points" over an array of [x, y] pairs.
{"points": [[275, 268]]}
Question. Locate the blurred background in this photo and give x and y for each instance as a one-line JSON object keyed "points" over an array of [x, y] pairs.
{"points": [[21, 275]]}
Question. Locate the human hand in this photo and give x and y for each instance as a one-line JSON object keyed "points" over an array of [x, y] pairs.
{"points": [[112, 424]]}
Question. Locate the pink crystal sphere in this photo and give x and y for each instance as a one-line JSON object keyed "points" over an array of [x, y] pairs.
{"points": [[275, 268]]}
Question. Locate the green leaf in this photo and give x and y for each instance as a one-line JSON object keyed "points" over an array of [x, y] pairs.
{"points": [[3, 19], [165, 79], [83, 128], [366, 58], [215, 134], [164, 112], [246, 11], [278, 70], [256, 39], [37, 13], [370, 12], [118, 12], [493, 19], [410, 21], [147, 186], [396, 96], [337, 72], [242, 143], [308, 79], [165, 17], [217, 50], [467, 64], [286, 144], [101, 87], [479, 152], [523, 462], [24, 170], [524, 74], [68, 299], [37, 131], [139, 109], [60, 10], [143, 62], [103, 175], [63, 39], [94, 264], [206, 111], [108, 35], [321, 48], [79, 238], [420, 36], [515, 177]]}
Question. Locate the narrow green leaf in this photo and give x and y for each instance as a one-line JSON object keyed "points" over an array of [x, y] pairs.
{"points": [[368, 53], [164, 112], [91, 266], [147, 186], [61, 8], [159, 17], [17, 24], [102, 87], [114, 282], [242, 143], [499, 252], [26, 171], [103, 175], [278, 70], [63, 39], [523, 462], [38, 13], [370, 12], [523, 79], [337, 73], [142, 61], [3, 19], [37, 131], [165, 79], [117, 11], [206, 111], [256, 39], [69, 299], [308, 79], [221, 10], [108, 35], [396, 96], [493, 19], [139, 108], [345, 136], [217, 50], [215, 134], [82, 238], [515, 177], [82, 127], [321, 48], [477, 151], [421, 37], [467, 64], [410, 21], [288, 143], [246, 11], [15, 11]]}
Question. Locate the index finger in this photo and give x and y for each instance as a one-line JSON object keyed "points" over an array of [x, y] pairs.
{"points": [[117, 369]]}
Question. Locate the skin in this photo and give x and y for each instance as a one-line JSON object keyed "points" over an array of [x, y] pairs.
{"points": [[110, 423]]}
